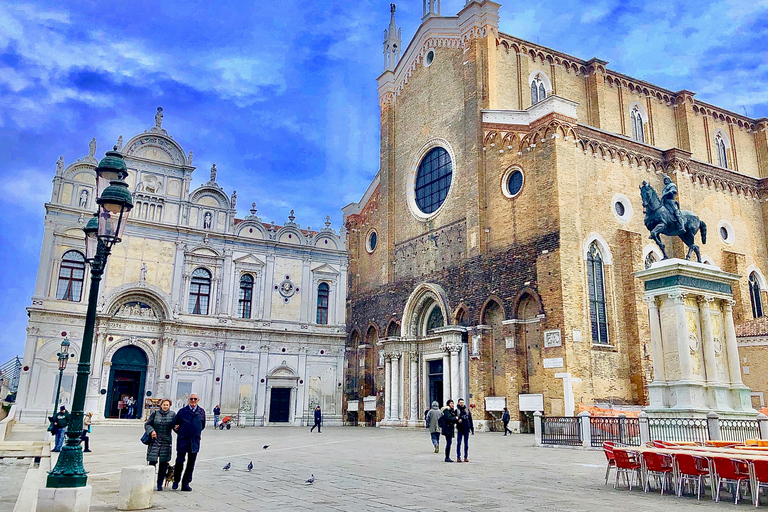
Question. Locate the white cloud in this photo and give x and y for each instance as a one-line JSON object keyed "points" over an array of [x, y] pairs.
{"points": [[28, 189]]}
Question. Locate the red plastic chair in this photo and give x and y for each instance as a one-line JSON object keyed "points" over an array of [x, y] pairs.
{"points": [[658, 465], [627, 464], [732, 471], [662, 444], [691, 468], [761, 478], [608, 449]]}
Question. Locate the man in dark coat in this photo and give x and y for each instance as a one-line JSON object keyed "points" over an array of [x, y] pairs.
{"points": [[449, 421], [505, 421], [318, 419], [60, 425], [464, 427], [188, 425]]}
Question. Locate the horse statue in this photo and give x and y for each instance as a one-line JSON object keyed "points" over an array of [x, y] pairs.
{"points": [[661, 221]]}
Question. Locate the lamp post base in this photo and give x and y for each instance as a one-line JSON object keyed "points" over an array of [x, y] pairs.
{"points": [[76, 499], [68, 471]]}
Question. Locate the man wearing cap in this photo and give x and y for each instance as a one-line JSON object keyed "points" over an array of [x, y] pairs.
{"points": [[188, 425], [60, 424]]}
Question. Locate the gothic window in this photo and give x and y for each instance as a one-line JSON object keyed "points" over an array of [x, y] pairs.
{"points": [[323, 291], [754, 295], [596, 288], [433, 180], [71, 275], [199, 292], [246, 296], [538, 91], [435, 319], [393, 329], [638, 131], [722, 155]]}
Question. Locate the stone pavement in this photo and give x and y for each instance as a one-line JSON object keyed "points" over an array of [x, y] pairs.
{"points": [[360, 469]]}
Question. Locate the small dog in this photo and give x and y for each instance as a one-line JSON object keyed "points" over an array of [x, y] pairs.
{"points": [[169, 476]]}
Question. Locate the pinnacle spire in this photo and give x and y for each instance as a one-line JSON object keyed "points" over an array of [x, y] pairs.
{"points": [[392, 42]]}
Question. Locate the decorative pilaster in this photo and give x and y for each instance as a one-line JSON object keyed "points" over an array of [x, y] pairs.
{"points": [[414, 374], [683, 343], [387, 387], [446, 378], [708, 341], [454, 350], [732, 350], [657, 350], [395, 407]]}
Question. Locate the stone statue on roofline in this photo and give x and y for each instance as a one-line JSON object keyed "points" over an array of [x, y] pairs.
{"points": [[159, 118], [92, 148], [60, 165]]}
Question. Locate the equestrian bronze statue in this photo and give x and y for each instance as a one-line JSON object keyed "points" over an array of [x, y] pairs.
{"points": [[664, 217]]}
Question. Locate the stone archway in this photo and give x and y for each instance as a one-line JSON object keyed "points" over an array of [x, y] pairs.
{"points": [[127, 380]]}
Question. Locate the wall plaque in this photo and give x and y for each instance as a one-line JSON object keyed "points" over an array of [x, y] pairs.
{"points": [[552, 338], [553, 362]]}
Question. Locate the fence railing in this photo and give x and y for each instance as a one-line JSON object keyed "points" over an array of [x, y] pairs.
{"points": [[584, 430], [559, 430]]}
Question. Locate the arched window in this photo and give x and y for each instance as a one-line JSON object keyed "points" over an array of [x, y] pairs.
{"points": [[433, 180], [199, 292], [636, 118], [754, 295], [650, 260], [71, 275], [720, 146], [538, 91], [393, 329], [323, 291], [596, 287], [435, 319], [246, 296]]}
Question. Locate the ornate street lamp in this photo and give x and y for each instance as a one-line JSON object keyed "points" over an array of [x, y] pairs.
{"points": [[63, 358], [101, 233]]}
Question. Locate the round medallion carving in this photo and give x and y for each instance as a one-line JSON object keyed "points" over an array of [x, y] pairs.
{"points": [[693, 342], [287, 288], [718, 345]]}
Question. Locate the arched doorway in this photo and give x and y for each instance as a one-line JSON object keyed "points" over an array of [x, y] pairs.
{"points": [[493, 316], [531, 341], [127, 376]]}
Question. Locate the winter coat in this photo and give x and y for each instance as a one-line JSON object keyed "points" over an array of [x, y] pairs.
{"points": [[449, 421], [432, 419], [216, 411], [191, 425], [505, 417], [465, 424], [318, 416], [61, 419], [160, 422]]}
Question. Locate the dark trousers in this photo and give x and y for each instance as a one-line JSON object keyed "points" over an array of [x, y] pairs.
{"points": [[317, 424], [162, 470], [506, 428], [180, 465], [435, 438], [448, 442], [465, 437]]}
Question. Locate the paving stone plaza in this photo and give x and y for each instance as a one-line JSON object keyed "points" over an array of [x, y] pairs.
{"points": [[360, 469]]}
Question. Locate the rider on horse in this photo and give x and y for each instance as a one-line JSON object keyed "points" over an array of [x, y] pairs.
{"points": [[668, 197]]}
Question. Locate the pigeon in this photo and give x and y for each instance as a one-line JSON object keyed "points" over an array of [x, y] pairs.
{"points": [[311, 479], [265, 447], [229, 465], [250, 465]]}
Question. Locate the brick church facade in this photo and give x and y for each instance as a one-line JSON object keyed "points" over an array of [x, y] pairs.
{"points": [[492, 256]]}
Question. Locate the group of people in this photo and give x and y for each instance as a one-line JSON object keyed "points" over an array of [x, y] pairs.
{"points": [[448, 421], [188, 424], [60, 425]]}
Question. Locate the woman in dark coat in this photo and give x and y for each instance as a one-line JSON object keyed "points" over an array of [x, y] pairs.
{"points": [[158, 426]]}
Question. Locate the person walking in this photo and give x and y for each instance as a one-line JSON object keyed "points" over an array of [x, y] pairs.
{"points": [[158, 426], [318, 419], [449, 421], [505, 421], [216, 415], [131, 403], [464, 426], [188, 425], [433, 424], [60, 424], [87, 420]]}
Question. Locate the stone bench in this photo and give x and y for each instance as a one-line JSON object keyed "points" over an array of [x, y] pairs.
{"points": [[137, 483]]}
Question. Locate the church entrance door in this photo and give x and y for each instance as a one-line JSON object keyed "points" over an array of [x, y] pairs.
{"points": [[127, 376], [436, 382], [280, 405]]}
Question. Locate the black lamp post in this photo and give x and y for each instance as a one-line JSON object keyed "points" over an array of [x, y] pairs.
{"points": [[63, 358], [103, 231]]}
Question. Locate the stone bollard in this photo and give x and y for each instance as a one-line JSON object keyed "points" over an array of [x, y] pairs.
{"points": [[537, 428], [585, 424], [137, 484], [64, 499]]}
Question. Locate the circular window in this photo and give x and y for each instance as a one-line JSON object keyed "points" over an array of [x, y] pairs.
{"points": [[726, 231], [619, 207], [370, 243], [433, 180], [429, 58], [512, 182]]}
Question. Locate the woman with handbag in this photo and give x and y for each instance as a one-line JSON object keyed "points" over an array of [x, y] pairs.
{"points": [[87, 420], [158, 428]]}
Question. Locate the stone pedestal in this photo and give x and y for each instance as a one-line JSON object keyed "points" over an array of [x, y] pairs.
{"points": [[693, 342], [136, 486], [66, 499]]}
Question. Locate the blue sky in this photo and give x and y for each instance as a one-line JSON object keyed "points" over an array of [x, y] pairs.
{"points": [[282, 96]]}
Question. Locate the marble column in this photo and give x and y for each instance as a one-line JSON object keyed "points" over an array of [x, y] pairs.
{"points": [[657, 350], [464, 372], [454, 349], [708, 341], [414, 412], [734, 367], [395, 414], [387, 387], [683, 342], [446, 378]]}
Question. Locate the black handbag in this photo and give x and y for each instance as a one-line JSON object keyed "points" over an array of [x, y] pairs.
{"points": [[146, 439]]}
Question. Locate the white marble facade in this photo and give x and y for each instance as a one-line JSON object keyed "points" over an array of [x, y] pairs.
{"points": [[271, 364]]}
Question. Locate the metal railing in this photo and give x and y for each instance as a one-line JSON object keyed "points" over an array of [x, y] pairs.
{"points": [[561, 430], [678, 429], [615, 429], [739, 430], [9, 375]]}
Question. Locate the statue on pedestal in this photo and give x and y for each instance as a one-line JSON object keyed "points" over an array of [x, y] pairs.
{"points": [[664, 217]]}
